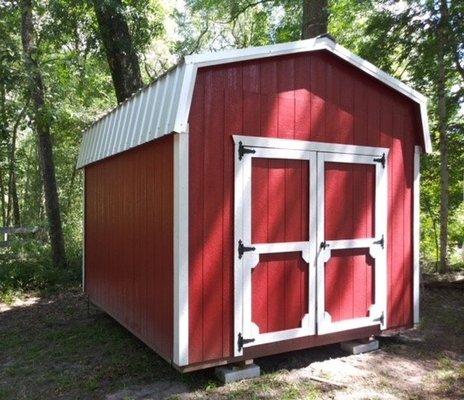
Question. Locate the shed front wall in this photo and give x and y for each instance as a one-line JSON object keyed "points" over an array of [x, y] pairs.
{"points": [[129, 240], [313, 97]]}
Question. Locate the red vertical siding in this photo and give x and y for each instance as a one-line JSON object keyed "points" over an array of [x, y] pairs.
{"points": [[279, 291], [309, 97], [348, 279], [280, 206], [349, 201], [128, 240]]}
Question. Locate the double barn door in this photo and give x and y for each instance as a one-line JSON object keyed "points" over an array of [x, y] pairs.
{"points": [[310, 239]]}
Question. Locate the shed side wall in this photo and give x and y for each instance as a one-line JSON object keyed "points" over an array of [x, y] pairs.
{"points": [[307, 97], [129, 240]]}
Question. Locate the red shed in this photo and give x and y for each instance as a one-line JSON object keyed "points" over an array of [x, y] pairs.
{"points": [[256, 201]]}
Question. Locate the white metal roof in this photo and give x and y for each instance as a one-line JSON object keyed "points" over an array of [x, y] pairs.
{"points": [[163, 106]]}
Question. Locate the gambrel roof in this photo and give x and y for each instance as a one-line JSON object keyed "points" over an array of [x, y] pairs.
{"points": [[162, 107]]}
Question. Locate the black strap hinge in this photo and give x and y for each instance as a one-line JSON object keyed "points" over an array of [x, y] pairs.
{"points": [[381, 160], [241, 341], [381, 241], [242, 150], [380, 319], [243, 249]]}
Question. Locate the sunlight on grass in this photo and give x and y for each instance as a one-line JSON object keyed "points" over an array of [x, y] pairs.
{"points": [[51, 347]]}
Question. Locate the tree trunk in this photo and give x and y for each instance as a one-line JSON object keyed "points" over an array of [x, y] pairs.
{"points": [[2, 200], [315, 18], [442, 127], [42, 127], [12, 187], [120, 52]]}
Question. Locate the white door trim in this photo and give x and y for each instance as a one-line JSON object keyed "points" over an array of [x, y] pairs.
{"points": [[293, 144], [378, 311], [244, 265], [298, 149]]}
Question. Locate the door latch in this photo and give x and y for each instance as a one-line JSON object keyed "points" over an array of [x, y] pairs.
{"points": [[242, 150], [243, 249], [381, 241], [241, 341], [324, 245], [381, 160]]}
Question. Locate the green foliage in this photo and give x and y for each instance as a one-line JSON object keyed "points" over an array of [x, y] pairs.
{"points": [[399, 37], [78, 89], [27, 265]]}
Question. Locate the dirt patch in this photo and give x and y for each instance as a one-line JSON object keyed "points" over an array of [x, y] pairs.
{"points": [[54, 348], [159, 390]]}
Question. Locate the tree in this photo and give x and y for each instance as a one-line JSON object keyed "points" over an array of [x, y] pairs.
{"points": [[120, 52], [442, 44], [402, 38], [41, 120], [315, 18], [12, 184]]}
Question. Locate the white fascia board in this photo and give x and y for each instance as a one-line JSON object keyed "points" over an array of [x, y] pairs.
{"points": [[310, 45], [185, 98], [425, 127], [252, 53]]}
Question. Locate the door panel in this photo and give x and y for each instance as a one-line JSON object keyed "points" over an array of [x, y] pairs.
{"points": [[279, 292], [349, 278], [276, 241], [280, 200], [349, 201], [351, 264]]}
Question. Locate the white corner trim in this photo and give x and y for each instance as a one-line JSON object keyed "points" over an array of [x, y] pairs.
{"points": [[181, 255], [83, 230], [416, 236]]}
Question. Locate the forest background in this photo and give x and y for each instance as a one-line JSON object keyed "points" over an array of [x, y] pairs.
{"points": [[64, 63]]}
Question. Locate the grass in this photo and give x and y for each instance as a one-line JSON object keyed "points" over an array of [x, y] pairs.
{"points": [[54, 349], [64, 351], [270, 385], [50, 347]]}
